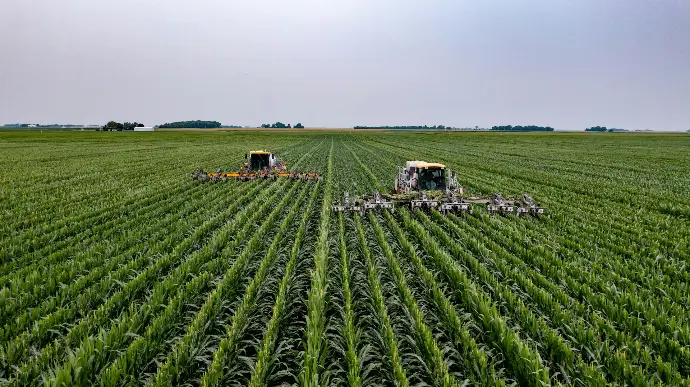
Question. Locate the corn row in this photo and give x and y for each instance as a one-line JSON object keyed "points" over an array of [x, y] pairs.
{"points": [[523, 360], [134, 288], [351, 336], [78, 365], [45, 242], [88, 261], [551, 301], [131, 363], [431, 351], [476, 359], [15, 351], [16, 271], [315, 346], [379, 302], [228, 344], [269, 341], [80, 293]]}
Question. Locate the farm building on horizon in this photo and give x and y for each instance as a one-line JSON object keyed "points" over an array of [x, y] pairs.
{"points": [[144, 129]]}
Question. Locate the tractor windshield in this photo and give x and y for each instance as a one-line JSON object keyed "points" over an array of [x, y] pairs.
{"points": [[432, 179], [258, 161]]}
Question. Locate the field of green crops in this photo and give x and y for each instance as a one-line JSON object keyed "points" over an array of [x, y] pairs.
{"points": [[117, 269]]}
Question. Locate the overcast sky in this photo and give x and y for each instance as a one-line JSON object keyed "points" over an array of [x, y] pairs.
{"points": [[569, 64]]}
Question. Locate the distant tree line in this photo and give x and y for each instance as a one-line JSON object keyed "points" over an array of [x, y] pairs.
{"points": [[118, 126], [191, 124], [401, 127], [605, 129], [280, 125], [520, 128]]}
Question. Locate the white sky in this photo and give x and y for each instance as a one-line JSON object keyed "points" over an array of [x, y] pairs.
{"points": [[566, 64]]}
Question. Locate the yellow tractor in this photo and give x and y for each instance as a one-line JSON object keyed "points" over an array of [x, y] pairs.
{"points": [[424, 185], [260, 164]]}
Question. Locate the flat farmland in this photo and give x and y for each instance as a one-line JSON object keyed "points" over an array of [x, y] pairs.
{"points": [[118, 269]]}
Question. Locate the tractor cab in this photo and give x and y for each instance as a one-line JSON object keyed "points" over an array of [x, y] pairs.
{"points": [[423, 176], [431, 177], [258, 160]]}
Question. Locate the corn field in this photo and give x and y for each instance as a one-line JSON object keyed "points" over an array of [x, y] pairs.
{"points": [[116, 269]]}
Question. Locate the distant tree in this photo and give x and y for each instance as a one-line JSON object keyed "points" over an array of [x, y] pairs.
{"points": [[132, 125], [596, 129], [192, 124], [298, 125], [112, 125], [279, 125]]}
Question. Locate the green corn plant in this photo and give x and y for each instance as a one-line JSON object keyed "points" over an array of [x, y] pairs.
{"points": [[554, 297], [30, 370], [115, 340], [16, 350], [477, 361], [526, 364], [95, 258], [181, 357], [268, 343], [315, 346], [228, 344], [130, 363], [160, 291], [399, 376], [433, 356]]}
